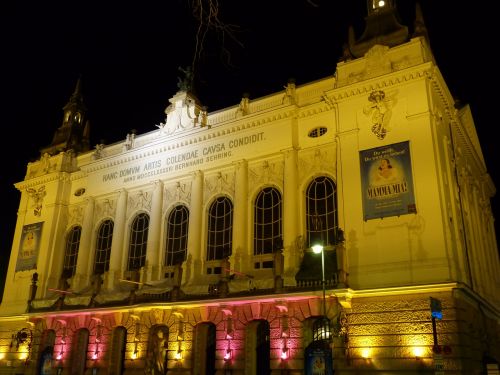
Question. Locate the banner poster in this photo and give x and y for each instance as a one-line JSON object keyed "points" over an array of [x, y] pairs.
{"points": [[387, 181], [28, 249], [46, 362], [319, 361]]}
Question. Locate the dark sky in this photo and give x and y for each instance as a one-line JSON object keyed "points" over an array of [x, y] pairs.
{"points": [[128, 54]]}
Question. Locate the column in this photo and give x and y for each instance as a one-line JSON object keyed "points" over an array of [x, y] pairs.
{"points": [[195, 250], [153, 261], [240, 258], [117, 251], [81, 278], [290, 216]]}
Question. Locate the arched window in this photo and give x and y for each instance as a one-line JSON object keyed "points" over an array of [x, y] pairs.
{"points": [[156, 357], [138, 242], [267, 222], [79, 351], [117, 351], [204, 349], [220, 229], [258, 347], [46, 352], [71, 251], [177, 235], [103, 247], [321, 212]]}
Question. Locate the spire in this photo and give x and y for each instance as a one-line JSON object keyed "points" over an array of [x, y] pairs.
{"points": [[73, 134], [419, 25], [381, 27]]}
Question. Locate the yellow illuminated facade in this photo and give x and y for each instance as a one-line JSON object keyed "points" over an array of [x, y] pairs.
{"points": [[188, 249]]}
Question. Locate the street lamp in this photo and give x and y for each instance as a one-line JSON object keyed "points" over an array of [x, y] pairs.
{"points": [[316, 250]]}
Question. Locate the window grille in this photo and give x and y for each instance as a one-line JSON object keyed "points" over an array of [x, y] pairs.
{"points": [[220, 229], [71, 251], [321, 212], [138, 242], [103, 247], [267, 221], [177, 235]]}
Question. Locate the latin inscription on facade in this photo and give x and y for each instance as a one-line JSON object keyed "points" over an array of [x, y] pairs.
{"points": [[182, 160]]}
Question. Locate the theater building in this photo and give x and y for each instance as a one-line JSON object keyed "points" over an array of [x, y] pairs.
{"points": [[188, 249]]}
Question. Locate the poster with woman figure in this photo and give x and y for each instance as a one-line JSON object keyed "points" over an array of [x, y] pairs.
{"points": [[28, 249], [387, 181]]}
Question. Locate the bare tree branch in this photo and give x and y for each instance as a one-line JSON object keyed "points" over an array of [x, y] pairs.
{"points": [[208, 16]]}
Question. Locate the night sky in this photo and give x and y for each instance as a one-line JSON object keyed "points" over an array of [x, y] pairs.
{"points": [[128, 54]]}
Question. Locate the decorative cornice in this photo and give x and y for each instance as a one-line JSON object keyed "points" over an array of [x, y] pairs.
{"points": [[45, 179], [380, 82]]}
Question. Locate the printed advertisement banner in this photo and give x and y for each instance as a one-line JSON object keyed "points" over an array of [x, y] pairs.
{"points": [[387, 181], [28, 249]]}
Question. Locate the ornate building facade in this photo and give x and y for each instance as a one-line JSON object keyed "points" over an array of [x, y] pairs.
{"points": [[188, 249]]}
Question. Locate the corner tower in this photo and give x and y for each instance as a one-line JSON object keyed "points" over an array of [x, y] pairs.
{"points": [[73, 134]]}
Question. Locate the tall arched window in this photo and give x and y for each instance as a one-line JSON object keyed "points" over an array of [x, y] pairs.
{"points": [[138, 242], [267, 222], [177, 235], [103, 247], [71, 251], [321, 212], [220, 229]]}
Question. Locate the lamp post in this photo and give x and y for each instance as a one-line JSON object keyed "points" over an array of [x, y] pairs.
{"points": [[316, 250]]}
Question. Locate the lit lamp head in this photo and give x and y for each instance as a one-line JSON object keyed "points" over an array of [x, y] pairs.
{"points": [[227, 354], [317, 249], [178, 355]]}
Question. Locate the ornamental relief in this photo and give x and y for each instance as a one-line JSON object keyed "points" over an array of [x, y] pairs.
{"points": [[75, 214], [37, 196], [379, 111], [177, 192], [317, 160], [219, 183], [266, 173], [140, 201], [104, 208]]}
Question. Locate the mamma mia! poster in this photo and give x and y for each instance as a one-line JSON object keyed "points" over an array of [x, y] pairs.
{"points": [[28, 249], [387, 181]]}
